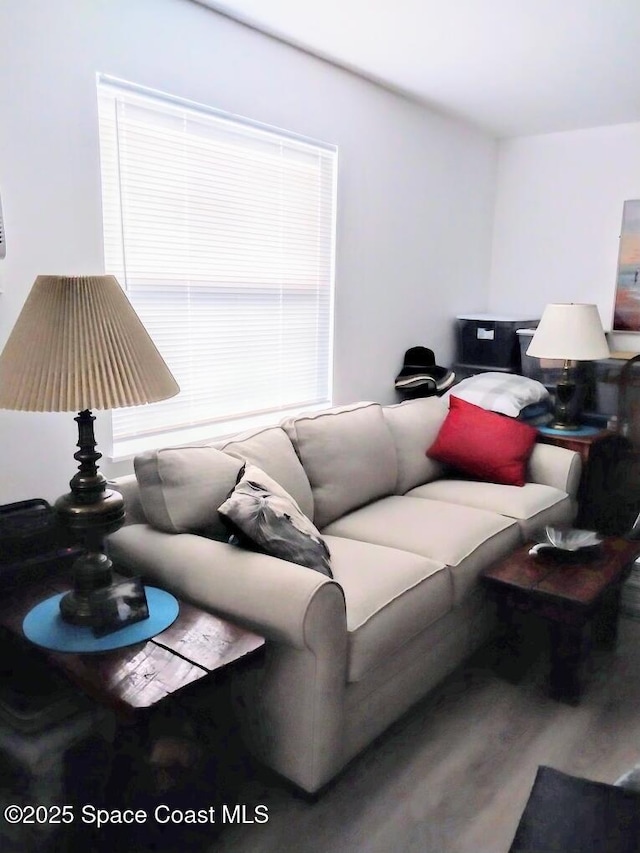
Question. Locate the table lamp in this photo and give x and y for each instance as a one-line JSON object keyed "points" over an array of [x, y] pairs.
{"points": [[570, 332], [78, 345]]}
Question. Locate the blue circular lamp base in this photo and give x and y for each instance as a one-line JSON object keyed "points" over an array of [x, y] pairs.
{"points": [[45, 627], [581, 430]]}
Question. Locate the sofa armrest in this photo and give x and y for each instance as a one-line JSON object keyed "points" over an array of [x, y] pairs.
{"points": [[270, 595], [291, 713], [555, 466]]}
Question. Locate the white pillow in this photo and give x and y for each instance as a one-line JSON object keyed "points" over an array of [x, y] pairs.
{"points": [[506, 393]]}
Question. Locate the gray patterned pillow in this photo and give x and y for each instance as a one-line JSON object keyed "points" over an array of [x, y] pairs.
{"points": [[264, 516]]}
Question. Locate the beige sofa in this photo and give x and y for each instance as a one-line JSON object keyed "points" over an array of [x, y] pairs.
{"points": [[345, 657]]}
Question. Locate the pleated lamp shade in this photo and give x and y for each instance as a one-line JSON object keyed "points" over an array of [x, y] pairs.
{"points": [[78, 344]]}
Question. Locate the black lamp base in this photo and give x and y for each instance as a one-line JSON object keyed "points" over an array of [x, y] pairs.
{"points": [[91, 572], [568, 395]]}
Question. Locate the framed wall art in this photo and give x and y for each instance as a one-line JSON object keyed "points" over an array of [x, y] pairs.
{"points": [[626, 309]]}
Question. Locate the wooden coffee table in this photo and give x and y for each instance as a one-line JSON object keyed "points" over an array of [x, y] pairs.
{"points": [[577, 598]]}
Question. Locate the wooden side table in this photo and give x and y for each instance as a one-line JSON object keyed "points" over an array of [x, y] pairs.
{"points": [[582, 444], [136, 683], [577, 597], [130, 679]]}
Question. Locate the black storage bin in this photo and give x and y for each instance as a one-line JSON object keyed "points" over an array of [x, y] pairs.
{"points": [[488, 340], [31, 540]]}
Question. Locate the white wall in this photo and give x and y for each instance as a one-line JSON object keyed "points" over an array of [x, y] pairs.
{"points": [[557, 219], [415, 189]]}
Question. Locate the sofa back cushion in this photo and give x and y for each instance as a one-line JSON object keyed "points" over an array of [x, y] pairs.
{"points": [[348, 455], [271, 450], [129, 488], [414, 426], [181, 488]]}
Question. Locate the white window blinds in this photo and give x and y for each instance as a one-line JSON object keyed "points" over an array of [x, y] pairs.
{"points": [[222, 232]]}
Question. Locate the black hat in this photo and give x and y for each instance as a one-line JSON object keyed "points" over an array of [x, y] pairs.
{"points": [[420, 372]]}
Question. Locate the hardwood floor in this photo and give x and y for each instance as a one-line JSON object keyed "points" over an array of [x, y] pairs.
{"points": [[454, 774]]}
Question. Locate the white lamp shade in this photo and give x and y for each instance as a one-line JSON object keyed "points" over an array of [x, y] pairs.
{"points": [[78, 344], [569, 331]]}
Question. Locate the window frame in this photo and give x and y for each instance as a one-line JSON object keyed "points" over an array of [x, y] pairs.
{"points": [[321, 289]]}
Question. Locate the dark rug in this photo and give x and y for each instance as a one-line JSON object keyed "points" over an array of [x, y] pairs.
{"points": [[567, 814]]}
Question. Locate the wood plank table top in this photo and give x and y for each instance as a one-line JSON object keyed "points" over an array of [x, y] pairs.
{"points": [[574, 581], [142, 675], [576, 595]]}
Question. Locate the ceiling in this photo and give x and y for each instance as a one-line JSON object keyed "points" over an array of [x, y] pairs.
{"points": [[511, 67]]}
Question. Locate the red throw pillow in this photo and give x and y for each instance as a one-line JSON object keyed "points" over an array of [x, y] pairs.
{"points": [[484, 444]]}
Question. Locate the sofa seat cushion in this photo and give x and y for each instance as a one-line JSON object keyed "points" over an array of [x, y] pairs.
{"points": [[391, 596], [532, 505], [464, 538], [349, 456]]}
